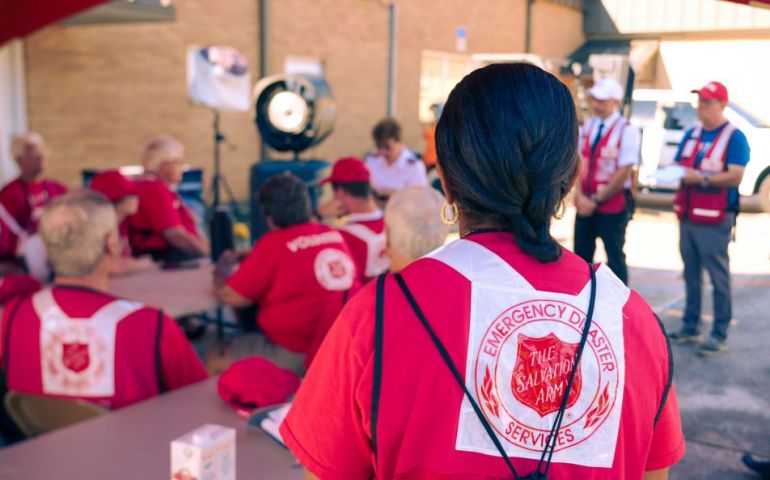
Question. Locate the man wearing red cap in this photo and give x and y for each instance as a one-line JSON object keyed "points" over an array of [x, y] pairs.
{"points": [[123, 194], [364, 228], [291, 274], [74, 339], [715, 155], [24, 198]]}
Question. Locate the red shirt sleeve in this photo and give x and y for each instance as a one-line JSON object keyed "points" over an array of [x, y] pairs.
{"points": [[667, 439], [255, 273], [181, 365], [336, 445], [160, 209]]}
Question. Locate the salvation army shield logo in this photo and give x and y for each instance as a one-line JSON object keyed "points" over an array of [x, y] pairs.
{"points": [[542, 371], [522, 368], [75, 356]]}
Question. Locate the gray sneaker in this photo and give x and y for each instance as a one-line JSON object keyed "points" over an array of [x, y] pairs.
{"points": [[684, 337], [712, 347]]}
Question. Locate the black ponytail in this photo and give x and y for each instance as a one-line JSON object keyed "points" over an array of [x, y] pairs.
{"points": [[507, 143]]}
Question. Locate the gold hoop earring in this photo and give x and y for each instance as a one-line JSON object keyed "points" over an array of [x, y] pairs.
{"points": [[455, 214], [561, 211]]}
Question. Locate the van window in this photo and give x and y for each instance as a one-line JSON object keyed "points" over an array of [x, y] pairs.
{"points": [[643, 111], [680, 116]]}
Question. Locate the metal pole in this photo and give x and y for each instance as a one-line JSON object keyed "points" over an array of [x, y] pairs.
{"points": [[528, 28], [264, 54], [393, 14], [218, 139]]}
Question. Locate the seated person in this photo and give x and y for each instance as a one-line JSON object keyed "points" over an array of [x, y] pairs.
{"points": [[163, 226], [291, 273], [123, 194], [414, 228], [76, 340], [392, 164], [413, 225], [23, 199], [364, 229]]}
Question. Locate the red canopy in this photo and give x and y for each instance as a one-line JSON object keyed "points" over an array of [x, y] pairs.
{"points": [[22, 17], [753, 3]]}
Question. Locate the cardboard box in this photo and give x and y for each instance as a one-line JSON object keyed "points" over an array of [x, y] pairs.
{"points": [[206, 453]]}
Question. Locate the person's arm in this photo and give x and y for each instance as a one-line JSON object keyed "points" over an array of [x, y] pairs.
{"points": [[585, 206], [731, 178], [228, 296], [180, 364], [616, 183], [185, 241], [656, 475], [251, 279]]}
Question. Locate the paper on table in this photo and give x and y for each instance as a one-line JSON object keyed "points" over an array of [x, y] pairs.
{"points": [[269, 420], [669, 174]]}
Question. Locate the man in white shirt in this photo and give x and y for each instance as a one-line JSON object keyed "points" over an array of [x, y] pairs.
{"points": [[392, 165], [610, 148]]}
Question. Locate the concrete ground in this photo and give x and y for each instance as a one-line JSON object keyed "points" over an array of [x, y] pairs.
{"points": [[724, 401]]}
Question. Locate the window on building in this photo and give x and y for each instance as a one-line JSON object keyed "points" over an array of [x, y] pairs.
{"points": [[123, 11], [439, 73]]}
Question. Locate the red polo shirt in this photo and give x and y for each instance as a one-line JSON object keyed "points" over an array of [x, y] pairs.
{"points": [[159, 209], [420, 427], [291, 274], [80, 343], [24, 202]]}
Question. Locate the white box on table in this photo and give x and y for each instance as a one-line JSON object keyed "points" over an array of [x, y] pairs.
{"points": [[206, 453]]}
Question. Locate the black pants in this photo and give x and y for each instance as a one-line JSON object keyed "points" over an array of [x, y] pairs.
{"points": [[611, 228]]}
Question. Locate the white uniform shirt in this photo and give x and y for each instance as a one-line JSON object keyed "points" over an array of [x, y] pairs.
{"points": [[630, 142], [406, 171]]}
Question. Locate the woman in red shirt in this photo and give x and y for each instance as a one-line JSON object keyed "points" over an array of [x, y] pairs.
{"points": [[500, 355]]}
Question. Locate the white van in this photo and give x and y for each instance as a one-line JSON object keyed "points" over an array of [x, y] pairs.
{"points": [[665, 115]]}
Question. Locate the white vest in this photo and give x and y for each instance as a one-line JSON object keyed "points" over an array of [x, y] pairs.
{"points": [[521, 349], [77, 355], [376, 260]]}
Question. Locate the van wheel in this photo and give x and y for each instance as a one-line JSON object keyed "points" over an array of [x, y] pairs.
{"points": [[764, 194]]}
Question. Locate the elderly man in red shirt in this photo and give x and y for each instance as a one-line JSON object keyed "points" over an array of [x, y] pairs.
{"points": [[22, 200], [75, 339], [163, 226]]}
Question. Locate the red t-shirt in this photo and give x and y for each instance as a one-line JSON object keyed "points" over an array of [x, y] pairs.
{"points": [[365, 235], [80, 343], [159, 209], [291, 274], [422, 431], [25, 202]]}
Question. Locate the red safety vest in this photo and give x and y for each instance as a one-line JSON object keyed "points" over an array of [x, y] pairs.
{"points": [[697, 203], [603, 164]]}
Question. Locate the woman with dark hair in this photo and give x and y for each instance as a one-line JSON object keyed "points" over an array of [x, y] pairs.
{"points": [[500, 355]]}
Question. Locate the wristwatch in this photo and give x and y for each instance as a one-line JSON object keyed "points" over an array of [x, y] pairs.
{"points": [[704, 181], [595, 198]]}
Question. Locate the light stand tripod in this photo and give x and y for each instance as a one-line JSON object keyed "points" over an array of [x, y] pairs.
{"points": [[221, 223]]}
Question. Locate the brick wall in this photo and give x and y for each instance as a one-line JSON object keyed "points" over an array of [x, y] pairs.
{"points": [[97, 93]]}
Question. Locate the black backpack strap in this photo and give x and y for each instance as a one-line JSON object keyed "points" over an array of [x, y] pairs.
{"points": [[7, 334], [158, 348], [670, 379], [379, 318], [449, 363]]}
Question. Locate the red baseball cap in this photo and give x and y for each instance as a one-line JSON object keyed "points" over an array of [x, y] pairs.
{"points": [[348, 170], [256, 382], [713, 91], [113, 185]]}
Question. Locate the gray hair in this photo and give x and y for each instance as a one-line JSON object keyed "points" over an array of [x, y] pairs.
{"points": [[413, 221], [158, 150], [74, 228]]}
